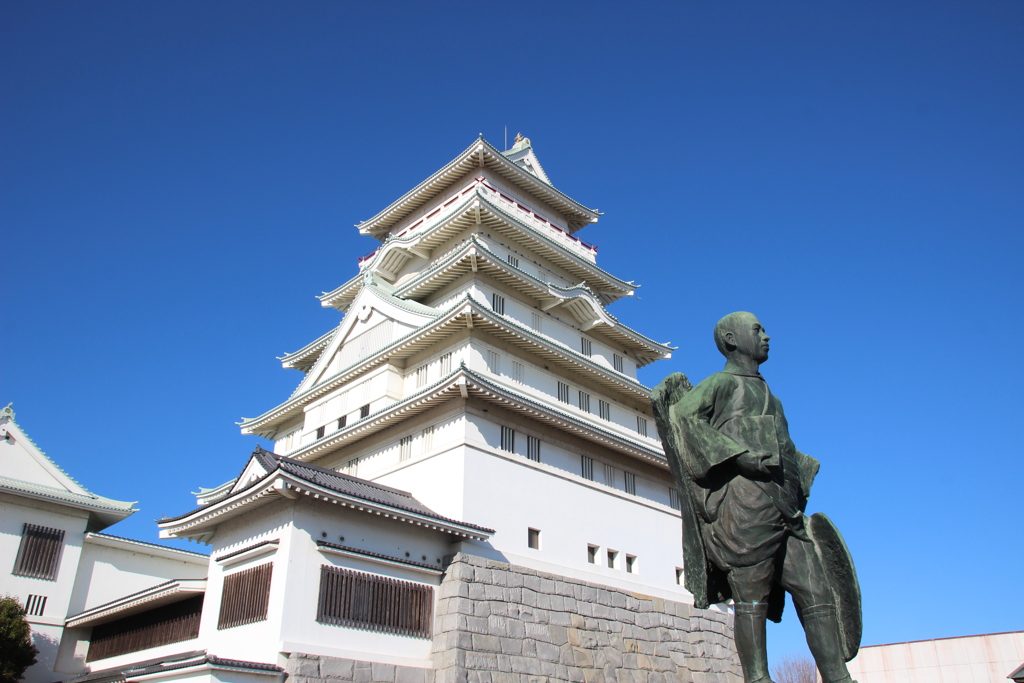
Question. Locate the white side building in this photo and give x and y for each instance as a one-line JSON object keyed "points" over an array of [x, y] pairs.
{"points": [[57, 561]]}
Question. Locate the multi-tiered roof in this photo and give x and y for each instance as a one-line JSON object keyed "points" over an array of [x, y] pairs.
{"points": [[486, 217]]}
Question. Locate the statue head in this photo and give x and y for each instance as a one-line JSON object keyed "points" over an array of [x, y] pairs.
{"points": [[740, 336]]}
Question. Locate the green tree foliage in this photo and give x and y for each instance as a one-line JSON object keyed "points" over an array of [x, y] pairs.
{"points": [[17, 652]]}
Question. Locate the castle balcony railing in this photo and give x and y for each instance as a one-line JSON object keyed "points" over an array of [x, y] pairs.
{"points": [[512, 206], [531, 217]]}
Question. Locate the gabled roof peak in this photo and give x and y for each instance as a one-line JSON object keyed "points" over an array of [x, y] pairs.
{"points": [[32, 473], [481, 154], [523, 156]]}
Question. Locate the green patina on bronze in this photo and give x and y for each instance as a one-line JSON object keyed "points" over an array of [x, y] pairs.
{"points": [[743, 490]]}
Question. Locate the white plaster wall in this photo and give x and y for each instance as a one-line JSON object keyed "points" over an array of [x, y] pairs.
{"points": [[436, 479], [107, 573], [300, 631], [46, 629], [480, 484], [572, 513], [259, 641], [380, 453]]}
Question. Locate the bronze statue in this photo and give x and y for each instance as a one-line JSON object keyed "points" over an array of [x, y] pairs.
{"points": [[743, 490]]}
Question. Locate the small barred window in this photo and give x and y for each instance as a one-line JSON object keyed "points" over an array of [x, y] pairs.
{"points": [[35, 605], [508, 439], [533, 448], [587, 467]]}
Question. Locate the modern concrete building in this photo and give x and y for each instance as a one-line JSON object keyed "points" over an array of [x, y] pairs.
{"points": [[465, 485], [988, 658]]}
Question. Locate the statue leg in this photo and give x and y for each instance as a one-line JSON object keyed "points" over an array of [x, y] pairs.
{"points": [[750, 589], [804, 578]]}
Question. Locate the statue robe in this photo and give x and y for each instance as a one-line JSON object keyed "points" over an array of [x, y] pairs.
{"points": [[728, 519]]}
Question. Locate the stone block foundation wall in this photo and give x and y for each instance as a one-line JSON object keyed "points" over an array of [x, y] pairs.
{"points": [[502, 623], [306, 668]]}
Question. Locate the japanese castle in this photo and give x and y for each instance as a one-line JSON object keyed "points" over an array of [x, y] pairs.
{"points": [[466, 484]]}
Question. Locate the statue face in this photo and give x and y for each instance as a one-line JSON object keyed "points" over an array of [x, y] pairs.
{"points": [[749, 338]]}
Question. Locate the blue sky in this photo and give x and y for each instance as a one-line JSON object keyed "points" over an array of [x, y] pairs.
{"points": [[180, 179]]}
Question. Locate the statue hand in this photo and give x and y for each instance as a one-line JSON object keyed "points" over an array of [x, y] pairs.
{"points": [[753, 465]]}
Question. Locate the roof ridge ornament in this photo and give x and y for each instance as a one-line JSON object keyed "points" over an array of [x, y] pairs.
{"points": [[8, 411]]}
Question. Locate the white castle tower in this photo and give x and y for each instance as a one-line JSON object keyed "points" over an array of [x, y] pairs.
{"points": [[475, 376], [477, 368]]}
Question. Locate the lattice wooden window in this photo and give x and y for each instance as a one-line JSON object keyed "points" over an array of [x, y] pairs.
{"points": [[246, 596], [375, 603], [39, 552], [159, 626]]}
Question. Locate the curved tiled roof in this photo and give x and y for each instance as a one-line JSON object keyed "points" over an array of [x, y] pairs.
{"points": [[91, 501], [479, 153], [337, 482]]}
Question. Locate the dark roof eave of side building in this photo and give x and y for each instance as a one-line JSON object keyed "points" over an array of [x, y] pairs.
{"points": [[331, 480]]}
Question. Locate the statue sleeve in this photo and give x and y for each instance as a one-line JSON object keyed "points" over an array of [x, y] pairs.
{"points": [[704, 446], [808, 471]]}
